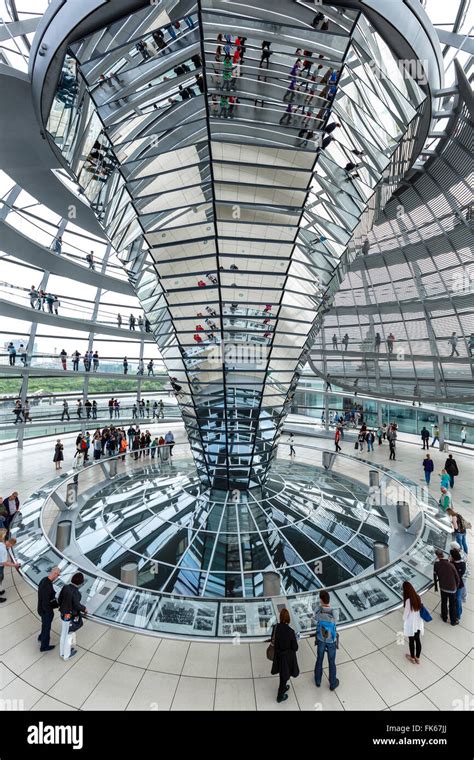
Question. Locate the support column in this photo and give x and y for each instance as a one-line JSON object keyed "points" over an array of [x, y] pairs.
{"points": [[441, 431]]}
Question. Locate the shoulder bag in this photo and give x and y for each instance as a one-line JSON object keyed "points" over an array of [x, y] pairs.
{"points": [[271, 646], [425, 615]]}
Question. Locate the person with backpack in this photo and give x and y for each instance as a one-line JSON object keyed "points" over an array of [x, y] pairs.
{"points": [[326, 640], [285, 647], [428, 466], [413, 626], [460, 527], [452, 469]]}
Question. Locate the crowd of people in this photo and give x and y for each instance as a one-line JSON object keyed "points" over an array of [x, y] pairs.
{"points": [[87, 409]]}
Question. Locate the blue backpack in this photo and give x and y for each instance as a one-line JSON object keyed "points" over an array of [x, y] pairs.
{"points": [[326, 632]]}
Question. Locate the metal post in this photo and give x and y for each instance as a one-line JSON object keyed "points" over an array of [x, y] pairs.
{"points": [[63, 534], [441, 431], [271, 584], [403, 513], [381, 555], [129, 573], [374, 478]]}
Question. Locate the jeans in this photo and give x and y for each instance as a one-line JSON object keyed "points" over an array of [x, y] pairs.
{"points": [[46, 620], [451, 481], [427, 477], [459, 603], [448, 598], [461, 539], [318, 670], [65, 642], [370, 446]]}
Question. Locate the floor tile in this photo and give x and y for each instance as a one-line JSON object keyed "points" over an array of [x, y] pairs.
{"points": [[418, 702], [201, 660], [235, 694], [139, 651], [194, 694], [112, 643], [234, 661], [355, 690], [170, 656], [155, 692], [448, 694], [116, 688], [388, 680], [78, 683]]}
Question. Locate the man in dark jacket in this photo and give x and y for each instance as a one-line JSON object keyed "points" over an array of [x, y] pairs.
{"points": [[451, 468], [46, 605], [446, 574], [425, 437]]}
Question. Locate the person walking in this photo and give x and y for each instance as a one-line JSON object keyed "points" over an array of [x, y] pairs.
{"points": [[413, 626], [379, 435], [377, 342], [291, 440], [95, 361], [161, 409], [446, 575], [392, 445], [65, 412], [71, 611], [79, 409], [445, 481], [435, 436], [337, 438], [428, 467], [325, 640], [285, 663], [425, 437], [459, 528], [334, 342], [94, 409], [445, 501], [47, 603], [463, 435], [63, 356], [150, 369], [90, 260], [452, 469], [125, 366], [131, 322], [58, 454], [33, 296], [169, 440], [345, 341], [361, 440], [453, 342], [5, 561]]}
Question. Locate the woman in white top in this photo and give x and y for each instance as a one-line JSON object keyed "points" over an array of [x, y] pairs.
{"points": [[412, 622]]}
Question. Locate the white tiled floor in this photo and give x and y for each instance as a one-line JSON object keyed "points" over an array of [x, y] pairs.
{"points": [[118, 670]]}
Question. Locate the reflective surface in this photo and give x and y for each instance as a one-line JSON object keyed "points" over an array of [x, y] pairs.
{"points": [[180, 542], [230, 153]]}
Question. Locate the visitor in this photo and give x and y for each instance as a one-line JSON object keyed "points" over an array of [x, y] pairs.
{"points": [[334, 342], [445, 479], [56, 305], [413, 625], [370, 438], [95, 360], [11, 505], [379, 435], [390, 342], [125, 365], [169, 440], [161, 409], [445, 573], [75, 360], [392, 446], [425, 437], [361, 440], [116, 408], [285, 662], [63, 356], [452, 469], [94, 409], [428, 467], [5, 561], [326, 640], [11, 354], [131, 322], [65, 412], [71, 611], [79, 409], [337, 438], [150, 369], [378, 341], [463, 435], [47, 603], [58, 454], [445, 501], [23, 355], [459, 528], [33, 296], [119, 320], [435, 436], [460, 565], [90, 260], [345, 341], [141, 367], [291, 440], [453, 342]]}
